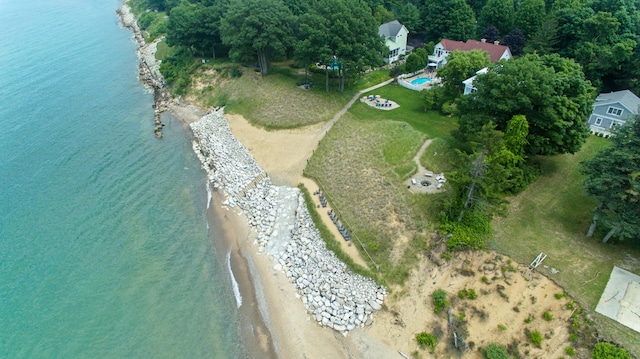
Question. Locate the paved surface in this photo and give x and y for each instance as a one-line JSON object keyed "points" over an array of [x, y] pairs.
{"points": [[620, 300]]}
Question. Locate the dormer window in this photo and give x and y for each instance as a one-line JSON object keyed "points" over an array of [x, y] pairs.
{"points": [[614, 111]]}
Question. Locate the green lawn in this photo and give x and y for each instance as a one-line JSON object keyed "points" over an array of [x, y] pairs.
{"points": [[552, 216]]}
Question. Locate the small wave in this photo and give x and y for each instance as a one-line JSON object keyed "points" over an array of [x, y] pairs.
{"points": [[208, 194], [234, 283]]}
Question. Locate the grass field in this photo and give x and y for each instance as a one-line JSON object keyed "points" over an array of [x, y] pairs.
{"points": [[361, 163], [552, 216], [272, 101]]}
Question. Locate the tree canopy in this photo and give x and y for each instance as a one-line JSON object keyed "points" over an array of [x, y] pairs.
{"points": [[498, 13], [330, 34], [451, 19], [260, 28], [460, 66], [613, 178], [550, 91]]}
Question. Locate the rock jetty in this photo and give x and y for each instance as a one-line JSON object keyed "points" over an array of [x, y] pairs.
{"points": [[334, 296], [149, 67]]}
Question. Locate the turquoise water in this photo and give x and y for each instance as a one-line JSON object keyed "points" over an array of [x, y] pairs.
{"points": [[420, 81], [104, 247]]}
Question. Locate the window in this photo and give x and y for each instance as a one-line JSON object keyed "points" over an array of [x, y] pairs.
{"points": [[598, 121], [614, 124], [614, 111]]}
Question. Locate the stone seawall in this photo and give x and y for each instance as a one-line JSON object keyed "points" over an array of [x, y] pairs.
{"points": [[149, 67], [333, 295]]}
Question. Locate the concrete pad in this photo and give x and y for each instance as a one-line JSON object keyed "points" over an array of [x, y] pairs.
{"points": [[620, 300]]}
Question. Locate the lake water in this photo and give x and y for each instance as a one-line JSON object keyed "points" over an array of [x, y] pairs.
{"points": [[104, 245]]}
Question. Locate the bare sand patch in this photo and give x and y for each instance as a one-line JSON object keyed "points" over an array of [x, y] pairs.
{"points": [[283, 154]]}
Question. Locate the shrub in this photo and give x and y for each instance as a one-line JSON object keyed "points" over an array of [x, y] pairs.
{"points": [[609, 351], [570, 351], [528, 319], [495, 351], [560, 295], [547, 316], [502, 327], [467, 294], [536, 338], [439, 298], [426, 340]]}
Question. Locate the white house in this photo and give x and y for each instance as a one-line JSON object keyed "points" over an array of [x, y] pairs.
{"points": [[395, 35], [613, 109], [442, 50], [468, 83]]}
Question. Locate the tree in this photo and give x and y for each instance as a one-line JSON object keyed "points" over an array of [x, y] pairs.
{"points": [[515, 40], [460, 66], [451, 19], [409, 16], [491, 34], [544, 41], [529, 16], [499, 13], [613, 178], [416, 61], [338, 38], [602, 42], [550, 91], [257, 28]]}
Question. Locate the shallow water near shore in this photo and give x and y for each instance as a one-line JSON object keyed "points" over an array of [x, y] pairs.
{"points": [[104, 245]]}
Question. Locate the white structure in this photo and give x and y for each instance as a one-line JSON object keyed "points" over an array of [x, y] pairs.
{"points": [[395, 35], [442, 49], [613, 109], [468, 83]]}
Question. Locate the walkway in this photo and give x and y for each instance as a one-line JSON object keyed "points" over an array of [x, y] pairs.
{"points": [[421, 175]]}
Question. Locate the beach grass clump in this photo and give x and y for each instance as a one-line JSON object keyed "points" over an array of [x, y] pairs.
{"points": [[439, 300], [426, 340], [536, 338], [495, 351]]}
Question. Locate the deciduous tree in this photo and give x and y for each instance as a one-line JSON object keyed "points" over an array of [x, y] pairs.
{"points": [[451, 19], [257, 28], [460, 66], [499, 13], [550, 91]]}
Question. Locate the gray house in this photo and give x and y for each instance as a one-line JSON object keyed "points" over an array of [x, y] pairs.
{"points": [[613, 109]]}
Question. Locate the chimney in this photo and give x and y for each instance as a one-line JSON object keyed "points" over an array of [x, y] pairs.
{"points": [[496, 42], [483, 40]]}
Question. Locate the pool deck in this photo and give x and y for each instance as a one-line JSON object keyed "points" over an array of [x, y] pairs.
{"points": [[434, 80]]}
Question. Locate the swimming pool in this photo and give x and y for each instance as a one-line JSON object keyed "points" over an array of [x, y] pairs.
{"points": [[420, 80]]}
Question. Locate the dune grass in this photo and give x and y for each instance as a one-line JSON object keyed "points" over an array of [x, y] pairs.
{"points": [[272, 101]]}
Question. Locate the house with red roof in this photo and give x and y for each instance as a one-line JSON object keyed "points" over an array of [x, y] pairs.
{"points": [[445, 47]]}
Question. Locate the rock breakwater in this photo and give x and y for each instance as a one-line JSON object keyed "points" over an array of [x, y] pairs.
{"points": [[149, 67], [333, 295]]}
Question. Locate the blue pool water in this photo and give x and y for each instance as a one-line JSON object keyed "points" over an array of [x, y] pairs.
{"points": [[420, 81]]}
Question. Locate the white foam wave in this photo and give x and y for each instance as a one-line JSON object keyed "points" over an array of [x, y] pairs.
{"points": [[209, 195], [234, 283]]}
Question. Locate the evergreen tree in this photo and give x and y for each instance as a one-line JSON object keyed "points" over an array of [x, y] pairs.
{"points": [[613, 178]]}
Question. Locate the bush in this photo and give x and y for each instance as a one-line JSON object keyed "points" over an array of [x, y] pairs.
{"points": [[547, 316], [439, 298], [502, 327], [495, 351], [609, 351], [536, 338], [570, 351], [467, 293], [426, 340]]}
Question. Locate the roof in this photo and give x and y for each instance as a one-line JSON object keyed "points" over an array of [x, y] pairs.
{"points": [[390, 29], [495, 51], [625, 97]]}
